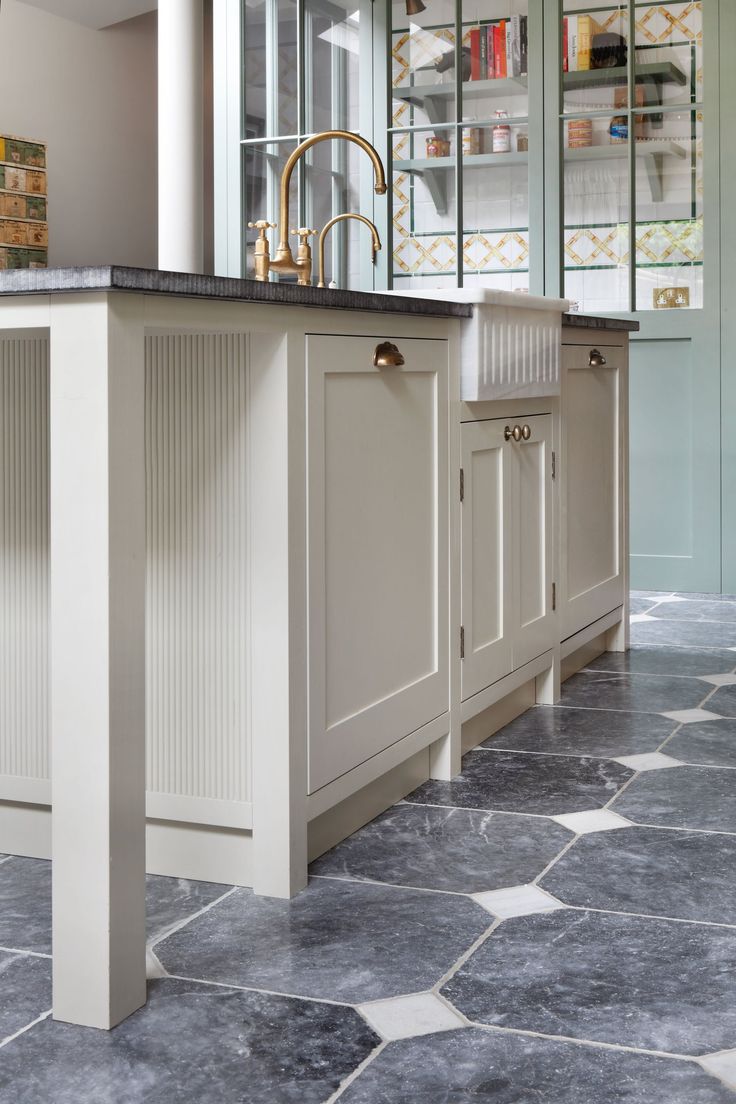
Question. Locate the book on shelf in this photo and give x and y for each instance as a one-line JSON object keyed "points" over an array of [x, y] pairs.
{"points": [[577, 42], [475, 36], [499, 49]]}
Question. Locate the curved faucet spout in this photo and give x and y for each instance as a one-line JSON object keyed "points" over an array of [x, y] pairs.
{"points": [[328, 227], [283, 252]]}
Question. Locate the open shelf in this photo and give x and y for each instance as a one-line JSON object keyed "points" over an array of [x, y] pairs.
{"points": [[434, 98], [434, 170], [660, 72]]}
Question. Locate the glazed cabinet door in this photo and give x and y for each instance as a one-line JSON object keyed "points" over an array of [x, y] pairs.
{"points": [[378, 539], [534, 544], [593, 388], [487, 515]]}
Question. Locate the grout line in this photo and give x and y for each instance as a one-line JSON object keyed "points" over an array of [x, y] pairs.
{"points": [[38, 1020], [470, 809], [556, 859], [6, 858], [164, 933], [450, 973], [27, 954], [357, 1071], [646, 915], [256, 989], [393, 885], [621, 1047]]}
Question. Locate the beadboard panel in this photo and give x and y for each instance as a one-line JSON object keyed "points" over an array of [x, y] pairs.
{"points": [[24, 561], [196, 604]]}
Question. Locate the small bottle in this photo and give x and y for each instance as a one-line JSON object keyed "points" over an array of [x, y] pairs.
{"points": [[471, 138], [502, 134]]}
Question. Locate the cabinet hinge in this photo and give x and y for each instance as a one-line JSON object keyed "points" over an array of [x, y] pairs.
{"points": [[462, 485], [462, 642], [554, 596], [554, 465]]}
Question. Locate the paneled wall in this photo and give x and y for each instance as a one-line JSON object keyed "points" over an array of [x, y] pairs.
{"points": [[24, 567], [196, 606]]}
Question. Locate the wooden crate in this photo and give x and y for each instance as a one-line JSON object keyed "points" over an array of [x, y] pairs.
{"points": [[24, 229]]}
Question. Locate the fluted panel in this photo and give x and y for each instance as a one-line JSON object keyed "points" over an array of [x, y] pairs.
{"points": [[196, 605], [24, 557], [510, 353]]}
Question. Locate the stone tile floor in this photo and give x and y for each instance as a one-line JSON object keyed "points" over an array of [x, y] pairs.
{"points": [[556, 925]]}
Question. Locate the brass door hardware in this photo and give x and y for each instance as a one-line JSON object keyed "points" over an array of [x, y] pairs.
{"points": [[284, 260], [387, 355], [516, 433], [376, 241], [526, 432], [597, 359]]}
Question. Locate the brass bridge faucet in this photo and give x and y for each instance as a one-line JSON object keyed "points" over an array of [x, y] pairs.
{"points": [[284, 259], [326, 229]]}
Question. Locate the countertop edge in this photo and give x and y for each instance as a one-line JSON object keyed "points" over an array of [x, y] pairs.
{"points": [[599, 322], [54, 281]]}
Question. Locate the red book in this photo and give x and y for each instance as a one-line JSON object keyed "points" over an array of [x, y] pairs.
{"points": [[502, 48], [475, 53], [489, 47], [565, 61]]}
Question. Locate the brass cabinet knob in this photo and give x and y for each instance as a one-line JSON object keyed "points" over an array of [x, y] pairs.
{"points": [[387, 355], [516, 433], [597, 359], [526, 432]]}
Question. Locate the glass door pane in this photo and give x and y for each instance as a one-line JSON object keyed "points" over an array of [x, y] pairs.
{"points": [[303, 62], [460, 139]]}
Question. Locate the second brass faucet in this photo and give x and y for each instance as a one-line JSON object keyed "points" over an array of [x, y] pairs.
{"points": [[284, 260]]}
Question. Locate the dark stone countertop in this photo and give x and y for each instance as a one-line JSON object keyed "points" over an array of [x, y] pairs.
{"points": [[49, 281], [599, 322]]}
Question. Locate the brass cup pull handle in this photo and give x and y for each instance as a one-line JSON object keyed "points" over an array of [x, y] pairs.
{"points": [[526, 432], [387, 355], [597, 359], [516, 433]]}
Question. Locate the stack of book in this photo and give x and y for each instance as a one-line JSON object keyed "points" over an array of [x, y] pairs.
{"points": [[577, 41], [24, 231], [500, 49]]}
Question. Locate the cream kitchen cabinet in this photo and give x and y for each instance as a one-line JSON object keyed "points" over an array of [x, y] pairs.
{"points": [[592, 478], [378, 540], [507, 547]]}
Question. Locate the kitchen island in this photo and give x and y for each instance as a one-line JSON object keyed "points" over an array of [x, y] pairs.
{"points": [[267, 568]]}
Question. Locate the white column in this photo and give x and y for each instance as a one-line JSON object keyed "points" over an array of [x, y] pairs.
{"points": [[97, 524], [180, 135]]}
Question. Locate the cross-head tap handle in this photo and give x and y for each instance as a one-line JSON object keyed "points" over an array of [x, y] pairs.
{"points": [[262, 226]]}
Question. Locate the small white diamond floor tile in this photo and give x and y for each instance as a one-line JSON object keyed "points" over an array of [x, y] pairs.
{"points": [[637, 618], [517, 901], [691, 716], [594, 820], [719, 680], [652, 760], [722, 1065], [406, 1017]]}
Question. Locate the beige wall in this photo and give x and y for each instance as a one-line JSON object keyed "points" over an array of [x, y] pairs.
{"points": [[91, 96]]}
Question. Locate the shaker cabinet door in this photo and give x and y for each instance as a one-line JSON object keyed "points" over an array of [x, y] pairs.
{"points": [[592, 517], [487, 513], [378, 540], [534, 533]]}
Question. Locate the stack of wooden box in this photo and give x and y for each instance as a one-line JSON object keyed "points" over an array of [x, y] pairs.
{"points": [[24, 230]]}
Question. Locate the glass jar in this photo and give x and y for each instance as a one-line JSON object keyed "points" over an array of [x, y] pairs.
{"points": [[502, 134]]}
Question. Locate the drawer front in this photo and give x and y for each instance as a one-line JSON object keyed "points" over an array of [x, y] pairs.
{"points": [[378, 539]]}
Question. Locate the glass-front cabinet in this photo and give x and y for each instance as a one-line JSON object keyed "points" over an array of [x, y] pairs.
{"points": [[527, 145], [633, 171], [465, 81]]}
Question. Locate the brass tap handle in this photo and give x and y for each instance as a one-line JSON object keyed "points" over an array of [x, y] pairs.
{"points": [[304, 234], [261, 226], [526, 432], [516, 433]]}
